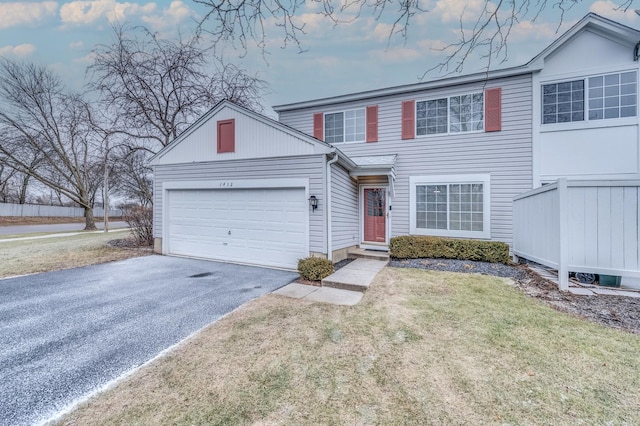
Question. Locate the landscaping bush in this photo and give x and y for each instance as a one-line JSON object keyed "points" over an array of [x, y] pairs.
{"points": [[414, 247], [140, 220], [315, 268]]}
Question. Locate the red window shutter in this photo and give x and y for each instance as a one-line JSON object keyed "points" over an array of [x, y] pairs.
{"points": [[408, 119], [318, 126], [226, 135], [372, 123], [493, 110]]}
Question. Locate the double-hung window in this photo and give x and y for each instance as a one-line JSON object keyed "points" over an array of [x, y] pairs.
{"points": [[456, 206], [345, 126], [455, 114], [604, 96]]}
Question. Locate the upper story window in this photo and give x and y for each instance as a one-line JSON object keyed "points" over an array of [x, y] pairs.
{"points": [[613, 96], [455, 114], [345, 126], [609, 96]]}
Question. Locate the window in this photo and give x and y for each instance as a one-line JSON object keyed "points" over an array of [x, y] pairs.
{"points": [[563, 102], [466, 113], [612, 96], [455, 114], [431, 117], [346, 126], [456, 206], [609, 96]]}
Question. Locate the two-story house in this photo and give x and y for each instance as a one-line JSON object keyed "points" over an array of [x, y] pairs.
{"points": [[445, 157]]}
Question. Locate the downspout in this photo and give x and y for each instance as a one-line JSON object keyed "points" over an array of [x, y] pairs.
{"points": [[328, 203]]}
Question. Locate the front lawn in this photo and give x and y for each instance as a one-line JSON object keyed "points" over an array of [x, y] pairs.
{"points": [[423, 347], [49, 254]]}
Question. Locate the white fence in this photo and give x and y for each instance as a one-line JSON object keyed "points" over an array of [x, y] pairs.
{"points": [[580, 226], [7, 209]]}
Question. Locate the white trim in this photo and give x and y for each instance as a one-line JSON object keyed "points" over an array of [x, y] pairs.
{"points": [[387, 224], [223, 185], [484, 178], [344, 125], [586, 122]]}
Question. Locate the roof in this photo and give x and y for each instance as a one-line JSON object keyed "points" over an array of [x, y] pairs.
{"points": [[592, 21]]}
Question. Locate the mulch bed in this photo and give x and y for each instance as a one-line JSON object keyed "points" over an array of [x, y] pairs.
{"points": [[613, 311]]}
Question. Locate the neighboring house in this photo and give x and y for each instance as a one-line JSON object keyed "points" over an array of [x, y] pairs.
{"points": [[444, 157]]}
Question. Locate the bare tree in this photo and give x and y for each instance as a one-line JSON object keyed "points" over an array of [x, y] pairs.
{"points": [[155, 87], [38, 116], [131, 176], [7, 182], [244, 22]]}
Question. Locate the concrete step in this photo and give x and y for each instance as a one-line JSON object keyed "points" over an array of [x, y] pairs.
{"points": [[359, 253], [356, 276]]}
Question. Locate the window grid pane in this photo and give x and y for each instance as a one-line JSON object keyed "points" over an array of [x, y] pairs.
{"points": [[334, 127], [431, 117], [347, 126], [455, 207], [354, 121], [613, 95], [466, 113], [563, 102]]}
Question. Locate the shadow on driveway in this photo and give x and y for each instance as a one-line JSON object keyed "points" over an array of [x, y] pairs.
{"points": [[67, 333]]}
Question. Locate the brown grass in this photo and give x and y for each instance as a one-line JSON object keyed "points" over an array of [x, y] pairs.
{"points": [[48, 254], [421, 348]]}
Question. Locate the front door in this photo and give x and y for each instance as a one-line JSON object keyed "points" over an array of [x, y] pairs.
{"points": [[375, 215]]}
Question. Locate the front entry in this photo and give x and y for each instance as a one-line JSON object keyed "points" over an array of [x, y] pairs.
{"points": [[375, 215]]}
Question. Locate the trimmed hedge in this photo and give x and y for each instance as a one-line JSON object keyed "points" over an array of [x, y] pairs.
{"points": [[414, 247], [315, 268]]}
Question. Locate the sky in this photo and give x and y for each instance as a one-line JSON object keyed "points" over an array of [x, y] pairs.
{"points": [[352, 57]]}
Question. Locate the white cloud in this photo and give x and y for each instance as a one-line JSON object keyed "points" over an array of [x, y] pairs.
{"points": [[397, 54], [611, 10], [86, 59], [176, 13], [13, 14], [529, 30], [75, 45], [432, 45], [86, 12], [20, 50], [454, 10]]}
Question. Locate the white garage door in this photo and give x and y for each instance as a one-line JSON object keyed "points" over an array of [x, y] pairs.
{"points": [[258, 226]]}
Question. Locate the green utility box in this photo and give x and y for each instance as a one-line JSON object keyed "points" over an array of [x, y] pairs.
{"points": [[610, 280]]}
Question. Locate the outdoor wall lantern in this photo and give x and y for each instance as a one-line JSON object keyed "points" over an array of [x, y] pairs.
{"points": [[313, 202]]}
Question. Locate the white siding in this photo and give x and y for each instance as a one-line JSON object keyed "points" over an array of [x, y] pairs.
{"points": [[589, 149], [506, 155], [344, 198], [253, 139], [311, 167]]}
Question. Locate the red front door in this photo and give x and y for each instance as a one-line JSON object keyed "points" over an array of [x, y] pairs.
{"points": [[375, 215]]}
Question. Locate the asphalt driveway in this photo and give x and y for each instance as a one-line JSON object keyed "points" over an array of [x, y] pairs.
{"points": [[65, 334]]}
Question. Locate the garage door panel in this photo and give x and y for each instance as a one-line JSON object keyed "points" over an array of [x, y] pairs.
{"points": [[267, 226]]}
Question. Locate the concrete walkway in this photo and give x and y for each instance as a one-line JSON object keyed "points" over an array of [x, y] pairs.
{"points": [[346, 286]]}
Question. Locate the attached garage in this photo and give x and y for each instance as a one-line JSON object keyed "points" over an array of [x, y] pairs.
{"points": [[235, 187], [262, 226]]}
